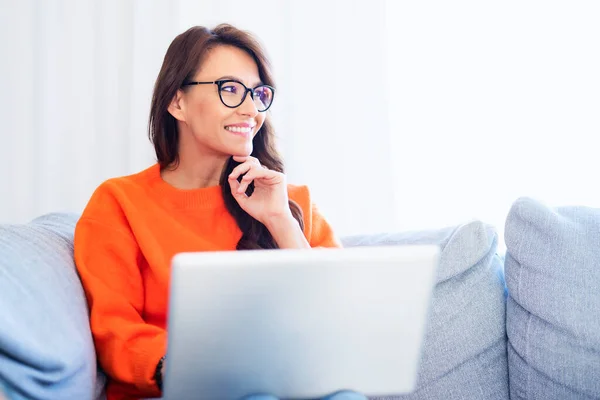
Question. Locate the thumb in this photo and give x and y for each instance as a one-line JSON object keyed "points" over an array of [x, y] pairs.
{"points": [[234, 186]]}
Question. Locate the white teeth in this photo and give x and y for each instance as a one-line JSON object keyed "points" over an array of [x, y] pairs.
{"points": [[238, 129]]}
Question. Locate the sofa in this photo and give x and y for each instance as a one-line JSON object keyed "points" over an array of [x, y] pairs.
{"points": [[524, 324]]}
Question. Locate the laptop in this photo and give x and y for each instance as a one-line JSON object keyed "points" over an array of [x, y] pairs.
{"points": [[297, 324]]}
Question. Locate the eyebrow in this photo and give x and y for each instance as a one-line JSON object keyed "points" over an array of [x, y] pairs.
{"points": [[235, 78]]}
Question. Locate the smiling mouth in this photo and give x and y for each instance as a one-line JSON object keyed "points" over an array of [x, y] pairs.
{"points": [[238, 129]]}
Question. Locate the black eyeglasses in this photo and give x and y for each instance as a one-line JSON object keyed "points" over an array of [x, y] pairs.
{"points": [[233, 93]]}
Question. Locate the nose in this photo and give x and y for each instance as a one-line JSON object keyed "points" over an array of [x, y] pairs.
{"points": [[248, 107]]}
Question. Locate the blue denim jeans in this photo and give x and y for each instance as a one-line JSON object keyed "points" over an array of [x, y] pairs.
{"points": [[341, 395]]}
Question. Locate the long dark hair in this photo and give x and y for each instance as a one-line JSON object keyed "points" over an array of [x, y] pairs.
{"points": [[182, 61]]}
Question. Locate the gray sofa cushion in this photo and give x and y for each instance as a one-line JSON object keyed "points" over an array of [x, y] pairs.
{"points": [[46, 347], [553, 310], [464, 352]]}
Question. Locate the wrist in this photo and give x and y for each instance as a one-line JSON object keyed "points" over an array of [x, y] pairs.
{"points": [[280, 222], [287, 233]]}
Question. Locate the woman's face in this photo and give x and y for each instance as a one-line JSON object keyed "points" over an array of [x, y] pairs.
{"points": [[214, 127]]}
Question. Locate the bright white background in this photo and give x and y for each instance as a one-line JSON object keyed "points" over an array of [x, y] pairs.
{"points": [[428, 113]]}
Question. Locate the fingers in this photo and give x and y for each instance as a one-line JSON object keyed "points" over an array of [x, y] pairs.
{"points": [[243, 159], [246, 163], [235, 185], [254, 172], [239, 170], [251, 168]]}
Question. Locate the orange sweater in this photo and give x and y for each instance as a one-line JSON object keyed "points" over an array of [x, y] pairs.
{"points": [[124, 242]]}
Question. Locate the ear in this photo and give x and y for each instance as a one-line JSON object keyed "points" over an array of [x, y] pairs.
{"points": [[177, 106]]}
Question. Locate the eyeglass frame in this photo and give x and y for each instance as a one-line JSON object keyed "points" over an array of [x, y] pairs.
{"points": [[247, 90]]}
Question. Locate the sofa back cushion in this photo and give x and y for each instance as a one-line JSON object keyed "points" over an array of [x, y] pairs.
{"points": [[553, 310], [464, 350], [46, 347]]}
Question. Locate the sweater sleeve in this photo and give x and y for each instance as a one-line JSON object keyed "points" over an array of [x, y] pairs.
{"points": [[107, 257], [322, 234], [317, 230]]}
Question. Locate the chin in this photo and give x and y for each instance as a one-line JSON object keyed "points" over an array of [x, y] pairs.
{"points": [[241, 152]]}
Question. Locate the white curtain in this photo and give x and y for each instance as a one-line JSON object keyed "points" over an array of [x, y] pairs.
{"points": [[80, 76], [398, 115]]}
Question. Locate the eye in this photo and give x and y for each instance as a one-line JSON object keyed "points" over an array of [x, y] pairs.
{"points": [[229, 88], [264, 94]]}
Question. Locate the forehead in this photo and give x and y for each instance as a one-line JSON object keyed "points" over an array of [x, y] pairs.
{"points": [[229, 61]]}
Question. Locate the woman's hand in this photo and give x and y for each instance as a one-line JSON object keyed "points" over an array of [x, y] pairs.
{"points": [[269, 201]]}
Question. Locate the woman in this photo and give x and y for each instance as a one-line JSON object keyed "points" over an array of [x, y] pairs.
{"points": [[218, 185]]}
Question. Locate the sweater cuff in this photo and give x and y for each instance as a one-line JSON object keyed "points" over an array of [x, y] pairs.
{"points": [[147, 360]]}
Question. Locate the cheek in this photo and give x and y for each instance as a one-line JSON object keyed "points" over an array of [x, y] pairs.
{"points": [[196, 113], [260, 120], [207, 114]]}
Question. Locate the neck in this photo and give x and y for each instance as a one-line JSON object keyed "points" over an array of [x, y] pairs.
{"points": [[195, 169]]}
